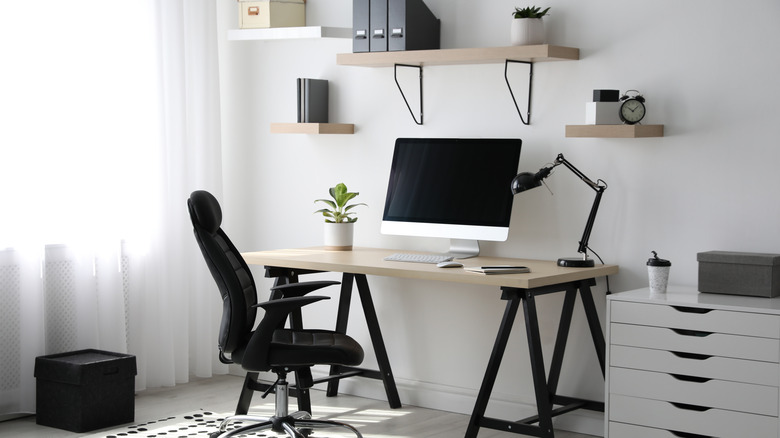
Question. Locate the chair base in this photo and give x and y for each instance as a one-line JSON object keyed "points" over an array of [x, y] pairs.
{"points": [[281, 422], [288, 424]]}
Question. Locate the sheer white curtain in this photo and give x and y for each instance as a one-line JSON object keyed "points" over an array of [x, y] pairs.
{"points": [[109, 118]]}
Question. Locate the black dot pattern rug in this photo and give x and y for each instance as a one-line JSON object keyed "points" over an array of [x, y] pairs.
{"points": [[197, 424]]}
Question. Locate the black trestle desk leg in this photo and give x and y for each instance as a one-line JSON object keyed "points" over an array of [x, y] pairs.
{"points": [[543, 403], [505, 328], [593, 322], [377, 341], [342, 318], [247, 391], [560, 342]]}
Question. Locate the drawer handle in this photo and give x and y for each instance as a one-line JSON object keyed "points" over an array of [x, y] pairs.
{"points": [[696, 333], [688, 407], [694, 379], [691, 309], [694, 356], [689, 435]]}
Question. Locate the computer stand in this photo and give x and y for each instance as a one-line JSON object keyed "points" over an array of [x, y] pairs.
{"points": [[463, 248]]}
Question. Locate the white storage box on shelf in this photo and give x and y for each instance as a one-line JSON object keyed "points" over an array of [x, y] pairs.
{"points": [[260, 14]]}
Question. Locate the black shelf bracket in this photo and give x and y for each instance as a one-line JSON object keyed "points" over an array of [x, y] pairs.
{"points": [[530, 82], [395, 75]]}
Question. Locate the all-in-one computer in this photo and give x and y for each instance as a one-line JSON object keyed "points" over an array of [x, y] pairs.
{"points": [[452, 188]]}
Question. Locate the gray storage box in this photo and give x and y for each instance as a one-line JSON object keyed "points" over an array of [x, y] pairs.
{"points": [[739, 273], [85, 390]]}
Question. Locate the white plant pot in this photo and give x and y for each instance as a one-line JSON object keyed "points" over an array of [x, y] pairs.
{"points": [[527, 31], [339, 236]]}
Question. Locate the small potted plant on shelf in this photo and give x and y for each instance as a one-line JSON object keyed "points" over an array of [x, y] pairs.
{"points": [[339, 220], [528, 26]]}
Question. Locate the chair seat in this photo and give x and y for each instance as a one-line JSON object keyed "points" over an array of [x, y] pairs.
{"points": [[308, 347]]}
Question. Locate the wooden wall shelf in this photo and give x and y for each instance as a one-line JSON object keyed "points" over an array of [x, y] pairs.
{"points": [[286, 33], [481, 55], [312, 128], [615, 131]]}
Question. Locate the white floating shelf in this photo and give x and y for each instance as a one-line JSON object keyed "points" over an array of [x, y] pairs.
{"points": [[285, 33]]}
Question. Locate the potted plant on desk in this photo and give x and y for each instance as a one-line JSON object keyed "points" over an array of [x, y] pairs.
{"points": [[339, 220], [527, 26]]}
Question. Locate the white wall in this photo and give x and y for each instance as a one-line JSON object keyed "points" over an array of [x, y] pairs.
{"points": [[709, 73]]}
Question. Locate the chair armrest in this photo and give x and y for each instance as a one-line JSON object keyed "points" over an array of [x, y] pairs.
{"points": [[301, 289], [276, 311], [289, 302], [255, 357]]}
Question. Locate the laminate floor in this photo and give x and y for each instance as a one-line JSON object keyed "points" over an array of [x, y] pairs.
{"points": [[219, 394]]}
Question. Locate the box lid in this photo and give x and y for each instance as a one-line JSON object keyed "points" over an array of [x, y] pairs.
{"points": [[739, 258], [77, 367]]}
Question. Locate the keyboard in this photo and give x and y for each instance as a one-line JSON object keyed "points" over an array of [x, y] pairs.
{"points": [[419, 258]]}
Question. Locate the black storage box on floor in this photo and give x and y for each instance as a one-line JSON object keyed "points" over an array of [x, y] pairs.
{"points": [[739, 273], [85, 390]]}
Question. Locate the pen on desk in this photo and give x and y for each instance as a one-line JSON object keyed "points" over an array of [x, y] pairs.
{"points": [[502, 267]]}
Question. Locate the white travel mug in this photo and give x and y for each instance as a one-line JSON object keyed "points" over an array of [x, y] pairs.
{"points": [[658, 273]]}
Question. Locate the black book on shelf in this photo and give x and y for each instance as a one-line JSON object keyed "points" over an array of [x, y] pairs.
{"points": [[360, 25], [377, 24], [312, 100], [412, 26]]}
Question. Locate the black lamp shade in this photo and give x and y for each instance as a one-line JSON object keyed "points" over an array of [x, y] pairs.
{"points": [[525, 181]]}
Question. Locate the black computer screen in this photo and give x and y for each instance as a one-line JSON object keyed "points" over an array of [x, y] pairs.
{"points": [[452, 181]]}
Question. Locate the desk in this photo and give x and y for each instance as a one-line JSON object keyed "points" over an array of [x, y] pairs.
{"points": [[545, 277]]}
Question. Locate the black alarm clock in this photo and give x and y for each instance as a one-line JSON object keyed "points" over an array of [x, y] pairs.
{"points": [[632, 110]]}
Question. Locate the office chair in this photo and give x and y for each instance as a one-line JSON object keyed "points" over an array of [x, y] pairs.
{"points": [[269, 347]]}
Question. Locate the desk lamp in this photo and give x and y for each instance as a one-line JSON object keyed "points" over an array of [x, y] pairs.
{"points": [[528, 180]]}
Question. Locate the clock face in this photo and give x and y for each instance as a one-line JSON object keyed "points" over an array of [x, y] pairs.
{"points": [[632, 111]]}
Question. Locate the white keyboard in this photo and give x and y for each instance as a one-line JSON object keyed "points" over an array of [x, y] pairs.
{"points": [[419, 258]]}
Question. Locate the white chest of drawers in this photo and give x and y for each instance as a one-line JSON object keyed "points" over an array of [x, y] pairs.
{"points": [[693, 365]]}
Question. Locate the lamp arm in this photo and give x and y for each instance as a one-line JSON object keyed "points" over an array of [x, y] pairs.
{"points": [[591, 220], [598, 185]]}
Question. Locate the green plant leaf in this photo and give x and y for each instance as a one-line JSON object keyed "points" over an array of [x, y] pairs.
{"points": [[329, 202], [530, 12], [350, 207], [338, 193]]}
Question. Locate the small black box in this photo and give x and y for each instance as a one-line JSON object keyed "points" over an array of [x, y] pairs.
{"points": [[85, 390], [606, 95], [739, 273]]}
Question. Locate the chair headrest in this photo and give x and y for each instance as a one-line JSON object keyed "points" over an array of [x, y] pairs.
{"points": [[205, 211]]}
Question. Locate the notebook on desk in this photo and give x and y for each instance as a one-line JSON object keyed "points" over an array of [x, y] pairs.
{"points": [[498, 269]]}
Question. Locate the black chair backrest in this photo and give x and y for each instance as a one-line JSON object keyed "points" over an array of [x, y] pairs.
{"points": [[230, 271]]}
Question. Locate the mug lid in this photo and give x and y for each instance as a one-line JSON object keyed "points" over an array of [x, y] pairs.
{"points": [[655, 261]]}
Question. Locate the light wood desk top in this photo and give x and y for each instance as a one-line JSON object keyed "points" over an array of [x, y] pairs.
{"points": [[370, 261]]}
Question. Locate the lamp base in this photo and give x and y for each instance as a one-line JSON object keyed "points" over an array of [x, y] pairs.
{"points": [[576, 263]]}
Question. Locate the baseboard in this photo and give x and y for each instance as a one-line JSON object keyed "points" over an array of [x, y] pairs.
{"points": [[461, 400]]}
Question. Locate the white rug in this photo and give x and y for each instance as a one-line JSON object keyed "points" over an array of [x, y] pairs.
{"points": [[196, 424]]}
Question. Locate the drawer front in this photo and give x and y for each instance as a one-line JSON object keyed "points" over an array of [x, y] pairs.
{"points": [[711, 422], [623, 430], [693, 318], [742, 397], [712, 367], [715, 344]]}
